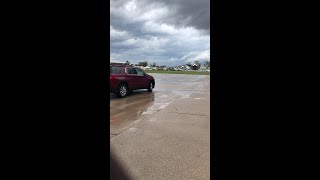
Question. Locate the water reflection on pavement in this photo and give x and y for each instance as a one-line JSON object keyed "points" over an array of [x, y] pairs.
{"points": [[125, 112]]}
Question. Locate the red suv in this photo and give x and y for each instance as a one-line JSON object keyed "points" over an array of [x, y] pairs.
{"points": [[124, 79]]}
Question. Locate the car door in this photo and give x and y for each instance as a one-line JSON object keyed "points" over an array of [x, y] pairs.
{"points": [[142, 78], [133, 81]]}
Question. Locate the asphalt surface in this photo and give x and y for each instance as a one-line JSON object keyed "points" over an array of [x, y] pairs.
{"points": [[164, 134]]}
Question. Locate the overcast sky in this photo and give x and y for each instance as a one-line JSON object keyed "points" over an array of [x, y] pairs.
{"points": [[165, 32]]}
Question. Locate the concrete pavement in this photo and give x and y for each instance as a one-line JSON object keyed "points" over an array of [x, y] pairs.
{"points": [[170, 143]]}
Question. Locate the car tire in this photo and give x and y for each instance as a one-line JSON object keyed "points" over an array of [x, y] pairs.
{"points": [[150, 87], [122, 91]]}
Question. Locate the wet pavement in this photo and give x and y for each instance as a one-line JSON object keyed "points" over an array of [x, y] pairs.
{"points": [[164, 134], [126, 112]]}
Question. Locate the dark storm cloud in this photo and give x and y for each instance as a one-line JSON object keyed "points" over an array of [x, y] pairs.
{"points": [[194, 13], [162, 31], [182, 13]]}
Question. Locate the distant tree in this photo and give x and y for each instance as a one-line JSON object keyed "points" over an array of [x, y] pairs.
{"points": [[127, 63], [144, 63], [154, 65], [207, 64]]}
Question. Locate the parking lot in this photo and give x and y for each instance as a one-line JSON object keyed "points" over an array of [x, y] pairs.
{"points": [[164, 134]]}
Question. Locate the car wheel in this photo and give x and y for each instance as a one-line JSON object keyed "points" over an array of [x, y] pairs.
{"points": [[150, 87], [122, 91]]}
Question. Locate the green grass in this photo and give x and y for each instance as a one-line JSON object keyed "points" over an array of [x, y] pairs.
{"points": [[177, 72]]}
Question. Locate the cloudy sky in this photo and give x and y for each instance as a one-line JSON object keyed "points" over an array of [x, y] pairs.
{"points": [[165, 32]]}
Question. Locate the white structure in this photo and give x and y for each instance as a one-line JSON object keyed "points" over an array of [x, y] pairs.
{"points": [[202, 68], [141, 67]]}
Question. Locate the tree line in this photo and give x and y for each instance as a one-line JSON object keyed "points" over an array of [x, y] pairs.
{"points": [[145, 63]]}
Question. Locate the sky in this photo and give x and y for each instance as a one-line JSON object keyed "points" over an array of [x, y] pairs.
{"points": [[165, 32]]}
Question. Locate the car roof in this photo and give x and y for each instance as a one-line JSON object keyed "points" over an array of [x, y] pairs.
{"points": [[119, 65]]}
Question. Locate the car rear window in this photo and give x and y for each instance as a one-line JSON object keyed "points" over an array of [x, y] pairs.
{"points": [[115, 70]]}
